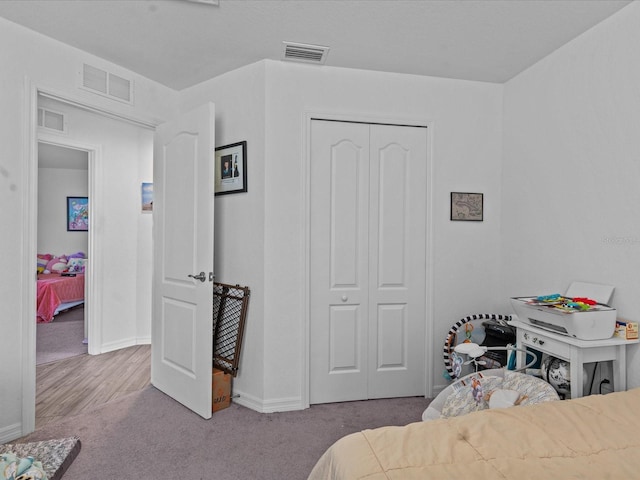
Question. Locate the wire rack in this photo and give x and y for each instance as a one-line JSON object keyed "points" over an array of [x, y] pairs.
{"points": [[229, 312]]}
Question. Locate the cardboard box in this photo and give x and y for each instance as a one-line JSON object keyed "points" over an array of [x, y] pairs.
{"points": [[626, 330], [221, 391]]}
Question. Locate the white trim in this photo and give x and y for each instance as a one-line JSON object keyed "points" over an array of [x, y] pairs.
{"points": [[29, 241], [120, 344], [430, 347], [150, 123], [10, 432], [269, 406], [308, 116]]}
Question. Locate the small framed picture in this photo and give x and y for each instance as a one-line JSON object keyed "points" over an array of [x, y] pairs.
{"points": [[231, 168], [466, 206], [77, 214], [147, 196]]}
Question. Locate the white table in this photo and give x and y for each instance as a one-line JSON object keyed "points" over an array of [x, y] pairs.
{"points": [[577, 352]]}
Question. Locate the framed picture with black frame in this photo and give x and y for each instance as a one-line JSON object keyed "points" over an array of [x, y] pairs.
{"points": [[77, 214], [467, 206], [231, 168]]}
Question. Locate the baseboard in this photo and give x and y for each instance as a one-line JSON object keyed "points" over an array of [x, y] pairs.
{"points": [[112, 346], [127, 342], [268, 406], [10, 432], [437, 389]]}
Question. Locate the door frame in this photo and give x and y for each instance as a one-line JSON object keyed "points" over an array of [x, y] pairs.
{"points": [[93, 303], [308, 117], [29, 232]]}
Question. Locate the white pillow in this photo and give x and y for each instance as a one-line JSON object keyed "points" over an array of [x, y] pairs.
{"points": [[59, 267], [502, 398]]}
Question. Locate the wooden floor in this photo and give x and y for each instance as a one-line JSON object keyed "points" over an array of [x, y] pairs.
{"points": [[79, 384]]}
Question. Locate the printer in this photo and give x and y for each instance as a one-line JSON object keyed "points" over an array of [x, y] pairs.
{"points": [[583, 312]]}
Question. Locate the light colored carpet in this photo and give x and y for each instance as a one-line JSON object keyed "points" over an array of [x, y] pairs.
{"points": [[148, 435], [61, 338]]}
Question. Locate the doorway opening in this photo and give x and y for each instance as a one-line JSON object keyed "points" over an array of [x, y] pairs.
{"points": [[62, 254], [127, 144]]}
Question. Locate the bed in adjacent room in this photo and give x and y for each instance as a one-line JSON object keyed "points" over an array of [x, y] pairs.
{"points": [[60, 286], [592, 437], [57, 292]]}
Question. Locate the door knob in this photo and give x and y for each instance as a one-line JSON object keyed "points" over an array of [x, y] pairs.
{"points": [[201, 276]]}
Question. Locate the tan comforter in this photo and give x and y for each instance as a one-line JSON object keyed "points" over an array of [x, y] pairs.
{"points": [[595, 437]]}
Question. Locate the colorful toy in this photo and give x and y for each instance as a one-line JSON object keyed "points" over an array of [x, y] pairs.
{"points": [[451, 341]]}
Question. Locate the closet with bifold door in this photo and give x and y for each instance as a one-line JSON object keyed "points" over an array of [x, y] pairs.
{"points": [[367, 295]]}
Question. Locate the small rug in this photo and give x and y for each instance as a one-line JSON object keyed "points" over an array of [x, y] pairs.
{"points": [[55, 455]]}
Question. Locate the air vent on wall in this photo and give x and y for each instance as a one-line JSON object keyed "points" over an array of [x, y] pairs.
{"points": [[51, 120], [301, 52], [107, 84]]}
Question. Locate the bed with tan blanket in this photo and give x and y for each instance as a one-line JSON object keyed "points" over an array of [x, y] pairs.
{"points": [[595, 437]]}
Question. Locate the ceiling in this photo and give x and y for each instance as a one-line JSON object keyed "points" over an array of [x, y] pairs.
{"points": [[54, 156], [180, 43]]}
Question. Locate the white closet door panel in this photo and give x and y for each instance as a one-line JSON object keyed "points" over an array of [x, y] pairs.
{"points": [[397, 251], [367, 261], [345, 341], [392, 337], [338, 324], [391, 212], [346, 210]]}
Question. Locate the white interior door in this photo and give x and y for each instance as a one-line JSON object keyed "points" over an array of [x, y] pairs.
{"points": [[339, 326], [397, 261], [368, 261], [182, 323]]}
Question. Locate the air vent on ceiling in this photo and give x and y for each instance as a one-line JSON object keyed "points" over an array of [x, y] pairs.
{"points": [[107, 84], [301, 52], [51, 120]]}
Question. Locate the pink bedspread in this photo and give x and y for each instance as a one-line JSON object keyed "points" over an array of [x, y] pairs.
{"points": [[54, 289]]}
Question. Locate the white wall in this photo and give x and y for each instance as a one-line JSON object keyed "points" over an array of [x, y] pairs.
{"points": [[571, 169], [28, 58], [124, 231], [54, 186], [240, 226], [465, 153], [265, 104]]}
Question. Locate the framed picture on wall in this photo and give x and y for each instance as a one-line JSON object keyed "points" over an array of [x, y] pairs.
{"points": [[231, 168], [467, 206], [77, 214], [147, 196]]}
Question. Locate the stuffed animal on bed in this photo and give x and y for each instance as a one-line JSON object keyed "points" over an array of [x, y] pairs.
{"points": [[77, 265], [43, 260], [56, 265]]}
